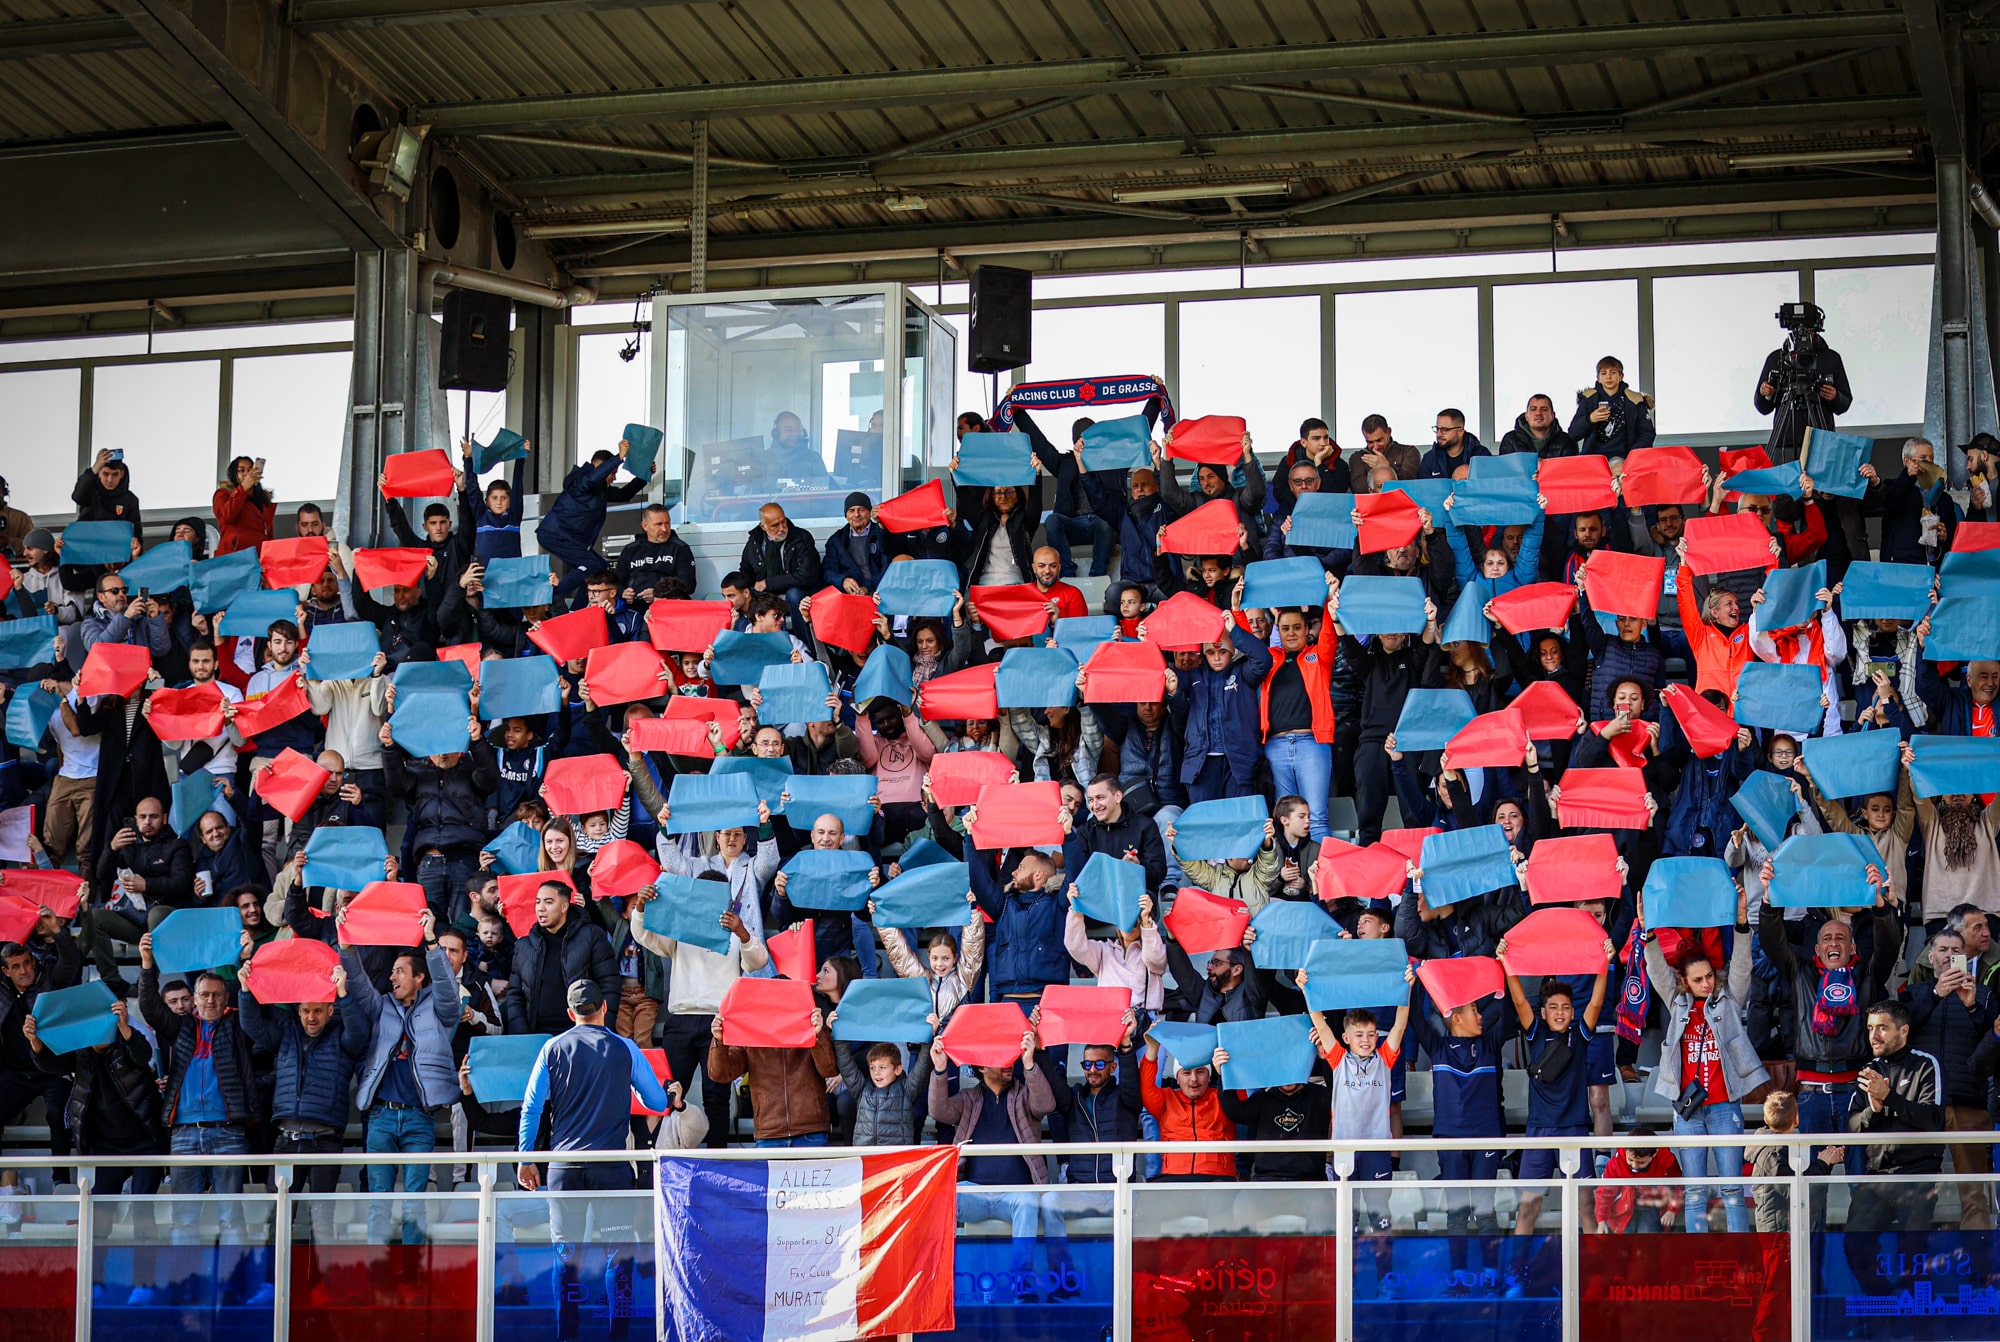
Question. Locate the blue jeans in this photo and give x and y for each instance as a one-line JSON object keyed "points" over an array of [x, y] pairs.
{"points": [[1721, 1119], [1025, 1212], [810, 1139], [1302, 766], [402, 1131], [1061, 532], [192, 1181], [443, 879], [1826, 1111]]}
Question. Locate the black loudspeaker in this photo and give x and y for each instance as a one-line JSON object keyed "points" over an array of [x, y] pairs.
{"points": [[475, 353], [1001, 317]]}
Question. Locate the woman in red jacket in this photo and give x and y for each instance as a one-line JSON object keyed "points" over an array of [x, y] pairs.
{"points": [[1297, 713], [244, 511]]}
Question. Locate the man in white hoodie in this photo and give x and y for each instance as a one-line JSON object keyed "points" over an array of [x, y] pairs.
{"points": [[355, 711]]}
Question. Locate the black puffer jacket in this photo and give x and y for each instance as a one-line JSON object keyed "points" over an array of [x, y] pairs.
{"points": [[119, 1077], [95, 503], [178, 1036], [447, 806], [585, 954]]}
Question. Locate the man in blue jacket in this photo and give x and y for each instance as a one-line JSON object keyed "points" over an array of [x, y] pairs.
{"points": [[1222, 701], [572, 526], [856, 555], [409, 1077], [584, 1079], [317, 1045]]}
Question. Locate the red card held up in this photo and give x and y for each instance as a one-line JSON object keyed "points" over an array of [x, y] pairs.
{"points": [[1387, 521], [671, 736], [1124, 673], [385, 913], [424, 474], [1182, 623], [1215, 528], [570, 637], [1538, 605], [1490, 741], [293, 560], [192, 714], [959, 777], [1624, 584], [1573, 485], [295, 969], [1603, 799], [1556, 941], [1201, 921], [919, 509], [1656, 475], [113, 668], [622, 673], [584, 783], [18, 917], [961, 694], [397, 566], [1075, 1014], [687, 626], [1547, 711], [844, 619], [656, 1058], [1011, 612], [621, 867], [60, 892], [1213, 440], [1728, 543], [793, 953], [1973, 536], [280, 704], [1466, 978], [517, 897], [1017, 815], [1574, 868], [290, 784], [1736, 460], [1709, 729], [983, 1034], [702, 709], [1374, 872], [771, 1013], [1408, 842], [465, 654]]}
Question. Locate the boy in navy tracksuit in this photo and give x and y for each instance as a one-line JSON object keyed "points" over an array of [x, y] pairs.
{"points": [[1465, 1102], [573, 524], [492, 519]]}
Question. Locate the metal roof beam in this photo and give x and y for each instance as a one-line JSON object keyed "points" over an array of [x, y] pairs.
{"points": [[66, 37], [327, 16], [1934, 54], [1319, 147], [285, 95], [1373, 58]]}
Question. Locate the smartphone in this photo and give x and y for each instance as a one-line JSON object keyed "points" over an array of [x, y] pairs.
{"points": [[260, 465], [117, 454], [1882, 668], [1958, 963], [145, 593]]}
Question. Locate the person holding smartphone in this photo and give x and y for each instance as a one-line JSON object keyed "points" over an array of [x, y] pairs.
{"points": [[245, 512], [1950, 1013]]}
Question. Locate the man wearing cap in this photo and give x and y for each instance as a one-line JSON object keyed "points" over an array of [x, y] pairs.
{"points": [[584, 1079], [857, 554]]}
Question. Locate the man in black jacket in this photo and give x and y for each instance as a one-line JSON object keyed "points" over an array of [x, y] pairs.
{"points": [[446, 796], [1111, 828], [658, 564], [562, 947], [225, 860], [22, 980], [161, 879], [1537, 430], [779, 557], [1950, 1014], [1900, 1090]]}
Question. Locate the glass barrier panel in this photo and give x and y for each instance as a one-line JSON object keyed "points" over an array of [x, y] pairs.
{"points": [[416, 1279], [1237, 1261], [1033, 1263], [1645, 1277], [38, 1268], [193, 1268], [1471, 1258], [1904, 1257], [570, 1261]]}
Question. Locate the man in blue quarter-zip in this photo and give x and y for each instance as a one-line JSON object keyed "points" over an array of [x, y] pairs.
{"points": [[584, 1079]]}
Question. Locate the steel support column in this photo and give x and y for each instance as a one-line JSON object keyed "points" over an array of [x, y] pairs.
{"points": [[383, 387], [1954, 316], [698, 214]]}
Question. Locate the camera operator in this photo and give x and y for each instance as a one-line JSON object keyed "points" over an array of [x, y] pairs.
{"points": [[1803, 382]]}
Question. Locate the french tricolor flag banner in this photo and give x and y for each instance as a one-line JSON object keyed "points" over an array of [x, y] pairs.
{"points": [[806, 1250]]}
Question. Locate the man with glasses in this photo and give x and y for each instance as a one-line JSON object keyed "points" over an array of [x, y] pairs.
{"points": [[208, 1103], [119, 617], [1455, 447]]}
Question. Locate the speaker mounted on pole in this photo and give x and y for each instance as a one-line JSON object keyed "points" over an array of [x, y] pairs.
{"points": [[476, 352], [1002, 315]]}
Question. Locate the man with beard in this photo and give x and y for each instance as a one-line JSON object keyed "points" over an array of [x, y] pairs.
{"points": [[1961, 864]]}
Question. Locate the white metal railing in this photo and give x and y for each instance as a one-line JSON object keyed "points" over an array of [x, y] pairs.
{"points": [[284, 1201]]}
